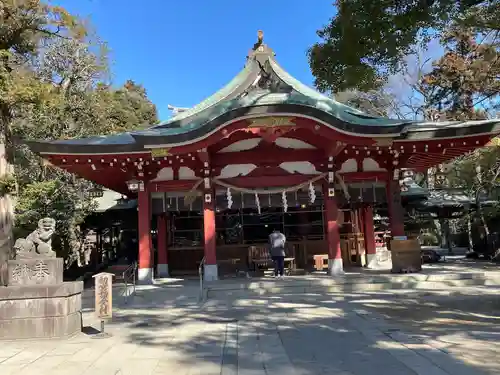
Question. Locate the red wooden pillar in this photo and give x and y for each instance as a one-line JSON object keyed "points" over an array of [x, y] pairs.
{"points": [[210, 268], [145, 269], [209, 234], [396, 213], [369, 232], [361, 245], [335, 265], [162, 267]]}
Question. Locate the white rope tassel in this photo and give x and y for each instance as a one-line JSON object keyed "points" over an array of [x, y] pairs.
{"points": [[343, 186], [285, 203], [257, 203], [312, 193], [229, 198]]}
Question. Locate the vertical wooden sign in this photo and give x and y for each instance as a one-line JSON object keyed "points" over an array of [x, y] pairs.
{"points": [[103, 295]]}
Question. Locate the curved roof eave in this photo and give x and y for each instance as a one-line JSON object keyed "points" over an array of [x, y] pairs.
{"points": [[111, 144], [450, 129], [134, 142], [296, 104]]}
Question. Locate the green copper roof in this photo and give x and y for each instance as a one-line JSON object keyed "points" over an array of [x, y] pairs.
{"points": [[215, 99], [230, 97], [311, 93], [263, 88], [267, 98]]}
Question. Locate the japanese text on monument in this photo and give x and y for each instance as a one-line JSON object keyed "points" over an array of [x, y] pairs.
{"points": [[39, 271], [103, 296]]}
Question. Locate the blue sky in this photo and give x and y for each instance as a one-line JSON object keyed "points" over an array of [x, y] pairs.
{"points": [[183, 51]]}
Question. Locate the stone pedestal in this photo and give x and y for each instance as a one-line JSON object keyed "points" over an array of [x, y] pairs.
{"points": [[36, 303]]}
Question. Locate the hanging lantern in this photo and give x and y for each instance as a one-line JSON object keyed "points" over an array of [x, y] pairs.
{"points": [[257, 203], [229, 198], [285, 203]]}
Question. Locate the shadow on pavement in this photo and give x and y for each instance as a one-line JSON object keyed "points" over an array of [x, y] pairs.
{"points": [[345, 332]]}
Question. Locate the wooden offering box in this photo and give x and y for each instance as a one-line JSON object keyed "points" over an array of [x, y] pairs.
{"points": [[406, 256]]}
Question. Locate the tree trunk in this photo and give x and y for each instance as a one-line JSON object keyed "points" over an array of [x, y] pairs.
{"points": [[439, 232], [469, 232], [6, 218], [445, 235], [485, 224]]}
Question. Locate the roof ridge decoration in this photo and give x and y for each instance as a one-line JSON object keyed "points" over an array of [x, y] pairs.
{"points": [[263, 79], [261, 57], [260, 52], [278, 80], [256, 75]]}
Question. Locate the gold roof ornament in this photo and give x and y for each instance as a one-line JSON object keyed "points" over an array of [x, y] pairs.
{"points": [[260, 41], [260, 36]]}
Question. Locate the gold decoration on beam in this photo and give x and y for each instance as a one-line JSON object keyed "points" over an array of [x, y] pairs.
{"points": [[271, 122], [47, 163], [384, 142], [494, 142], [160, 152]]}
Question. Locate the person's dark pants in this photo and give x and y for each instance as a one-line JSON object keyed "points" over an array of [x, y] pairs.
{"points": [[279, 265]]}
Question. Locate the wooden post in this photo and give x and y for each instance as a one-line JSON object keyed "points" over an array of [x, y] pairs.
{"points": [[396, 212], [103, 300]]}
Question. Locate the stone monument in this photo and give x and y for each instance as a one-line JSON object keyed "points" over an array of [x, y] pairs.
{"points": [[36, 303]]}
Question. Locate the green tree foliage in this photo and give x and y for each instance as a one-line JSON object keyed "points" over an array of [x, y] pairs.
{"points": [[128, 107], [53, 85], [465, 82], [366, 41], [373, 102]]}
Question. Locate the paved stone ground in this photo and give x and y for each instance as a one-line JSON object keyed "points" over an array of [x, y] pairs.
{"points": [[466, 327], [164, 331]]}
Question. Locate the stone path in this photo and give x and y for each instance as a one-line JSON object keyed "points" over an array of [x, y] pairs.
{"points": [[319, 335]]}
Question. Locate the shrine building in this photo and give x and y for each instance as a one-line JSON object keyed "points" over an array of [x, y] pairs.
{"points": [[264, 152]]}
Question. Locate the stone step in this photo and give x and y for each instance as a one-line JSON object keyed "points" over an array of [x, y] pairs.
{"points": [[348, 284]]}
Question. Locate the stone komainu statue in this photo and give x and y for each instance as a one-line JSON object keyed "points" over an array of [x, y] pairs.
{"points": [[38, 244]]}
